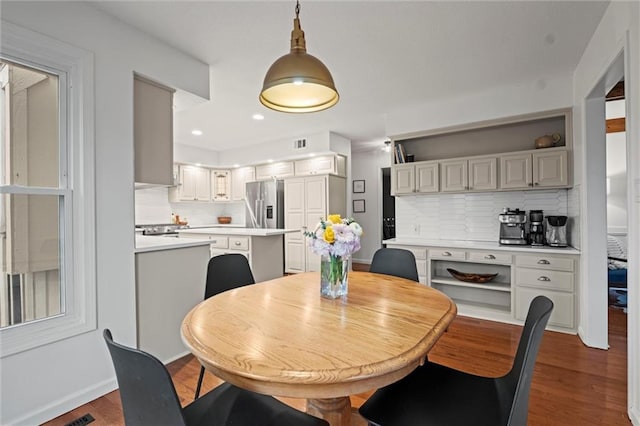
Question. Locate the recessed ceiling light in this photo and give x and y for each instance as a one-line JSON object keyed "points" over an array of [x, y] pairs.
{"points": [[236, 165], [258, 117], [196, 132], [270, 160], [198, 164], [312, 155]]}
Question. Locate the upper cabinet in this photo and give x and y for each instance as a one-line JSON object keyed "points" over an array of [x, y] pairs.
{"points": [[539, 169], [279, 170], [329, 164], [239, 178], [414, 178], [153, 132], [194, 184], [220, 185], [500, 155]]}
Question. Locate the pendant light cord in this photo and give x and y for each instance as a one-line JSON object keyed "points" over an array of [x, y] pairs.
{"points": [[297, 8]]}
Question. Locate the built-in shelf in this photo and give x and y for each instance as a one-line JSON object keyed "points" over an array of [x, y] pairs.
{"points": [[496, 286]]}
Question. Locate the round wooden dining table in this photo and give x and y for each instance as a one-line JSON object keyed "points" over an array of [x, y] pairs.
{"points": [[281, 338]]}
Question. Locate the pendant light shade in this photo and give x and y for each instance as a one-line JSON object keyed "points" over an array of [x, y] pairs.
{"points": [[298, 82]]}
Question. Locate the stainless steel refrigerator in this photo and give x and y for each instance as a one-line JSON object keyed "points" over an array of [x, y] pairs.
{"points": [[264, 204]]}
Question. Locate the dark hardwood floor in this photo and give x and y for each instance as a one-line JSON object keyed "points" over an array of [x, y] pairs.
{"points": [[572, 384]]}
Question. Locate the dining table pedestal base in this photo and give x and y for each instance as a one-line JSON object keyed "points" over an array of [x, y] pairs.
{"points": [[337, 411]]}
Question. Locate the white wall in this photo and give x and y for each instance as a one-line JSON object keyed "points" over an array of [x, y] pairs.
{"points": [[368, 166], [616, 173], [39, 384], [618, 30]]}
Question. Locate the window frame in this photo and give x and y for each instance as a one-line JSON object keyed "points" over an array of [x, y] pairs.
{"points": [[75, 69]]}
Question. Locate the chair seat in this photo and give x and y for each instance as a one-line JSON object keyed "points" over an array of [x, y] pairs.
{"points": [[436, 395], [229, 405]]}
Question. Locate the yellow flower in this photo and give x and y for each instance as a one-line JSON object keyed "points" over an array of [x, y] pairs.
{"points": [[329, 236], [334, 218]]}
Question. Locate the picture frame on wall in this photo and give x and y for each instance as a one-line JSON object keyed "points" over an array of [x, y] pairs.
{"points": [[358, 186], [358, 206]]}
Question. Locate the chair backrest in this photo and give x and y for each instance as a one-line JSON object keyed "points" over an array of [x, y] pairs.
{"points": [[392, 261], [146, 390], [515, 386], [226, 272]]}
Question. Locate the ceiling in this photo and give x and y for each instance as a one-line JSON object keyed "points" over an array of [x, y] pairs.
{"points": [[384, 56]]}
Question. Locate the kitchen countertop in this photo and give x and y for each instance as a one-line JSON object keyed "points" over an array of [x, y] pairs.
{"points": [[249, 232], [480, 245], [146, 243]]}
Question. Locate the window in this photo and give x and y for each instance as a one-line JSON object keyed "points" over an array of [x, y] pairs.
{"points": [[47, 243]]}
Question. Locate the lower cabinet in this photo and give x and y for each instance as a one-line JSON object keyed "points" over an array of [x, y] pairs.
{"points": [[520, 278], [264, 253]]}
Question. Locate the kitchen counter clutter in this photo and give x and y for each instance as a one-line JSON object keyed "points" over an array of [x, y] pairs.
{"points": [[522, 273]]}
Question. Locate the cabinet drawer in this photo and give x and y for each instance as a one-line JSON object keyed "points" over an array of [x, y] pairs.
{"points": [[563, 313], [546, 262], [239, 243], [554, 280], [218, 241], [447, 254], [490, 257], [418, 253]]}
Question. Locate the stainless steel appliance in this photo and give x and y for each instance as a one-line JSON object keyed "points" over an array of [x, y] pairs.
{"points": [[536, 228], [161, 229], [264, 204], [557, 231], [513, 227]]}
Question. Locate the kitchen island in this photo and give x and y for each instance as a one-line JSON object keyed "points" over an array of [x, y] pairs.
{"points": [[263, 247]]}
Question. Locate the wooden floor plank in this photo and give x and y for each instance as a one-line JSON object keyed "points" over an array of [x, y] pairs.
{"points": [[572, 384]]}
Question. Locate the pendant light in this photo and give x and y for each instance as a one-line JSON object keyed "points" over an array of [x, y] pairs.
{"points": [[298, 82]]}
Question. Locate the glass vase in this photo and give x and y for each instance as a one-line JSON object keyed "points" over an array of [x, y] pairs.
{"points": [[333, 276]]}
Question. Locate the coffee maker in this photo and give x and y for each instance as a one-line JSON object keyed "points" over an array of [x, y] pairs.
{"points": [[513, 227], [557, 231], [536, 228]]}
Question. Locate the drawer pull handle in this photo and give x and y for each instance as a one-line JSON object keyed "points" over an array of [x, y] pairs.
{"points": [[446, 253], [543, 262], [543, 278], [490, 256], [237, 243]]}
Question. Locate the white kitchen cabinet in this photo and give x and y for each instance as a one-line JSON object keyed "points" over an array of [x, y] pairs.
{"points": [[278, 170], [473, 174], [220, 185], [307, 200], [552, 276], [329, 164], [412, 178], [239, 178], [540, 169], [152, 132], [264, 252], [194, 184]]}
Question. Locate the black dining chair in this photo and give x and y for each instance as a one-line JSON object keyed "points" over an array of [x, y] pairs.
{"points": [[436, 395], [393, 261], [225, 272], [149, 397]]}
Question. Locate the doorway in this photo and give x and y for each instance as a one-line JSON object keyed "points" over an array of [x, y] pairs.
{"points": [[388, 206]]}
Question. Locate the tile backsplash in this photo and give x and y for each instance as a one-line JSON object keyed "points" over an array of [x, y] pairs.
{"points": [[469, 216], [153, 206]]}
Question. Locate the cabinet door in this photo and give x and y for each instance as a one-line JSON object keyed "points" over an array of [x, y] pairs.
{"points": [[152, 132], [515, 171], [483, 174], [427, 177], [220, 185], [402, 179], [264, 171], [294, 242], [315, 209], [239, 178], [194, 184], [453, 175], [283, 169], [317, 165], [550, 168], [563, 314]]}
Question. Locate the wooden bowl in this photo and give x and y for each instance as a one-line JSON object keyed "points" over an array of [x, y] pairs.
{"points": [[471, 277], [224, 220]]}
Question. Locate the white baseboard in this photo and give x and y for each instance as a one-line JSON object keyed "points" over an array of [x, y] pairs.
{"points": [[634, 416], [65, 404], [581, 334]]}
